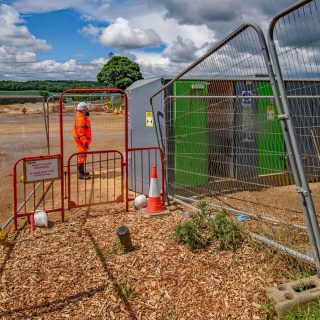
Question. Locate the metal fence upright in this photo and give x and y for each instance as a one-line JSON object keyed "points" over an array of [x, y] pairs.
{"points": [[291, 47]]}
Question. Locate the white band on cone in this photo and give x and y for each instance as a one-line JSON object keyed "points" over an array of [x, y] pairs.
{"points": [[154, 188]]}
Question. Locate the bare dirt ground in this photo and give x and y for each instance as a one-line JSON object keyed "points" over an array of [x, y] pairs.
{"points": [[70, 271]]}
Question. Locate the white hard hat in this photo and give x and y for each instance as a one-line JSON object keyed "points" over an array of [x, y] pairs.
{"points": [[82, 106]]}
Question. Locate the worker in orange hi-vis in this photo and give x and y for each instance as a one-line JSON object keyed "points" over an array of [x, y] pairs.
{"points": [[82, 136]]}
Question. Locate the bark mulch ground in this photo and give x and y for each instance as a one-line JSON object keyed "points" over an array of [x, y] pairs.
{"points": [[72, 271]]}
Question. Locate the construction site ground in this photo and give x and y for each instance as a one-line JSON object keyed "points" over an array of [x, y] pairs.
{"points": [[70, 271]]}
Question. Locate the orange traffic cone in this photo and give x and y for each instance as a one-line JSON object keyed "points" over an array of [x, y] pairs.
{"points": [[154, 201]]}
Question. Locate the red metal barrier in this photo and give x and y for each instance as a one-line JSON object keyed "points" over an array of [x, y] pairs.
{"points": [[146, 153], [37, 191], [110, 165], [111, 90], [103, 166]]}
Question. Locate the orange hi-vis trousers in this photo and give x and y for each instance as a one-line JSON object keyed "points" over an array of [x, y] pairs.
{"points": [[82, 157]]}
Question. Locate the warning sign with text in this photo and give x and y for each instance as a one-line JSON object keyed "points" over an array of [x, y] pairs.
{"points": [[36, 170]]}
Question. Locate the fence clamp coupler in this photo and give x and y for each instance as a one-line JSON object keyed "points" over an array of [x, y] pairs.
{"points": [[283, 116], [303, 191]]}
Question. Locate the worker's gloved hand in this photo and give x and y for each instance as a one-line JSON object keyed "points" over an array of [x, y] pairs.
{"points": [[86, 145]]}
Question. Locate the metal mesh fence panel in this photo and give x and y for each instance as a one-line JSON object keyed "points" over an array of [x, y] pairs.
{"points": [[224, 142], [22, 133], [297, 42]]}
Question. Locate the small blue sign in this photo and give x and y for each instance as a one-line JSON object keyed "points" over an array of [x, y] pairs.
{"points": [[246, 101]]}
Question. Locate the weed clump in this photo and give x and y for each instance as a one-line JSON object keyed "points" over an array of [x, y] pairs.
{"points": [[126, 291], [225, 231], [207, 227], [189, 233], [117, 248]]}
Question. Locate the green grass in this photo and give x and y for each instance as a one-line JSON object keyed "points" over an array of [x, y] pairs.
{"points": [[20, 93], [312, 312], [126, 291], [117, 248]]}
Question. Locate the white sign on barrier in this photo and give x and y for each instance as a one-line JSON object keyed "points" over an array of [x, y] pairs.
{"points": [[39, 169]]}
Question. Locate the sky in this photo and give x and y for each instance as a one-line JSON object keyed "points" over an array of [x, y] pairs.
{"points": [[72, 39]]}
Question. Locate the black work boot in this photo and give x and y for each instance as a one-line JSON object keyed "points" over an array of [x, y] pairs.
{"points": [[83, 175], [85, 172]]}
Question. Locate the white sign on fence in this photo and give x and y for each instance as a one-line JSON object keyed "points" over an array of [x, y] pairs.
{"points": [[39, 169]]}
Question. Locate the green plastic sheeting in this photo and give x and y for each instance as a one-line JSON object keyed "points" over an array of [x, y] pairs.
{"points": [[190, 123]]}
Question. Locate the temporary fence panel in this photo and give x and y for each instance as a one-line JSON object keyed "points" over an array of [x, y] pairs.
{"points": [[141, 162], [22, 133], [245, 115], [190, 170], [295, 46], [220, 142], [107, 179], [246, 167], [270, 142], [306, 119]]}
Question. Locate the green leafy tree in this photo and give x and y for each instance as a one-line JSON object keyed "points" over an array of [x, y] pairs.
{"points": [[119, 72], [44, 94]]}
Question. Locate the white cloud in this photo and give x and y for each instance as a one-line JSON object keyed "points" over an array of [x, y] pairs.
{"points": [[91, 9], [169, 29], [188, 29], [51, 69], [16, 35], [91, 31], [122, 34], [155, 64], [11, 54]]}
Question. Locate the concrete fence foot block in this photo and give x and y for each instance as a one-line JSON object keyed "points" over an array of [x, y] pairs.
{"points": [[294, 295]]}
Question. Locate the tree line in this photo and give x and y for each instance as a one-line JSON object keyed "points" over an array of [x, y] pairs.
{"points": [[47, 85]]}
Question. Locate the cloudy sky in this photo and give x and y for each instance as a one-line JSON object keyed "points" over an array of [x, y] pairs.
{"points": [[71, 39]]}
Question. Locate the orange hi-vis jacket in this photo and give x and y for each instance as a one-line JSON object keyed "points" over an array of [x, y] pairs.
{"points": [[82, 129]]}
